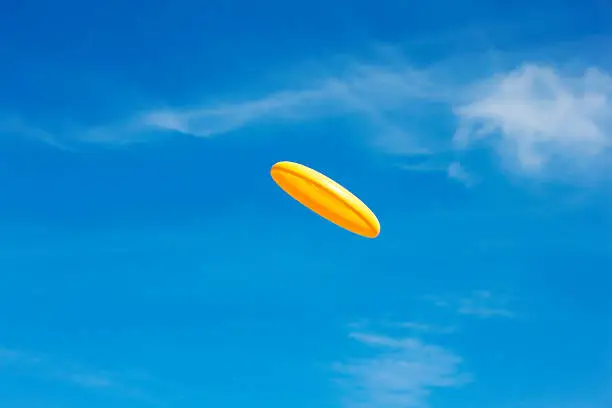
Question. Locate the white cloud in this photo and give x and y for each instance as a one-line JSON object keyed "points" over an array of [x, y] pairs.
{"points": [[400, 372], [540, 119]]}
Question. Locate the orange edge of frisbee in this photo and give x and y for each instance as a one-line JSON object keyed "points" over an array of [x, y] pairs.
{"points": [[368, 227]]}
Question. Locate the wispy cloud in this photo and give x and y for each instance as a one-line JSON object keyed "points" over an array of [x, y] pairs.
{"points": [[402, 369], [485, 304], [17, 126], [61, 371], [442, 164], [70, 372], [539, 119], [457, 172], [542, 120], [399, 372], [369, 92], [479, 303], [412, 326]]}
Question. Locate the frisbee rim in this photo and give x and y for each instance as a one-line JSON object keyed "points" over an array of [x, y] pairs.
{"points": [[349, 200]]}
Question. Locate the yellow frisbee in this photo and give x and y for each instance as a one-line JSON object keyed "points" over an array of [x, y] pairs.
{"points": [[325, 197]]}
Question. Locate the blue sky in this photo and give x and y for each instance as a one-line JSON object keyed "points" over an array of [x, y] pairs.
{"points": [[148, 260]]}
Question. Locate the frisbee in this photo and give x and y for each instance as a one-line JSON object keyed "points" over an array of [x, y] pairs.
{"points": [[325, 197]]}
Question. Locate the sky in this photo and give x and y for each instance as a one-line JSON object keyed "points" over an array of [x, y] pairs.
{"points": [[147, 259]]}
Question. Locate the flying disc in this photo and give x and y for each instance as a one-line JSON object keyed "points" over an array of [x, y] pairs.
{"points": [[325, 197]]}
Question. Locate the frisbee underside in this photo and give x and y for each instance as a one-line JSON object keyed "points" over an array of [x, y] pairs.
{"points": [[325, 197]]}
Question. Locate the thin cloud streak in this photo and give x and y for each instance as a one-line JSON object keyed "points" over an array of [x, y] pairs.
{"points": [[426, 328], [480, 303], [61, 371], [69, 372], [363, 90], [485, 305]]}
